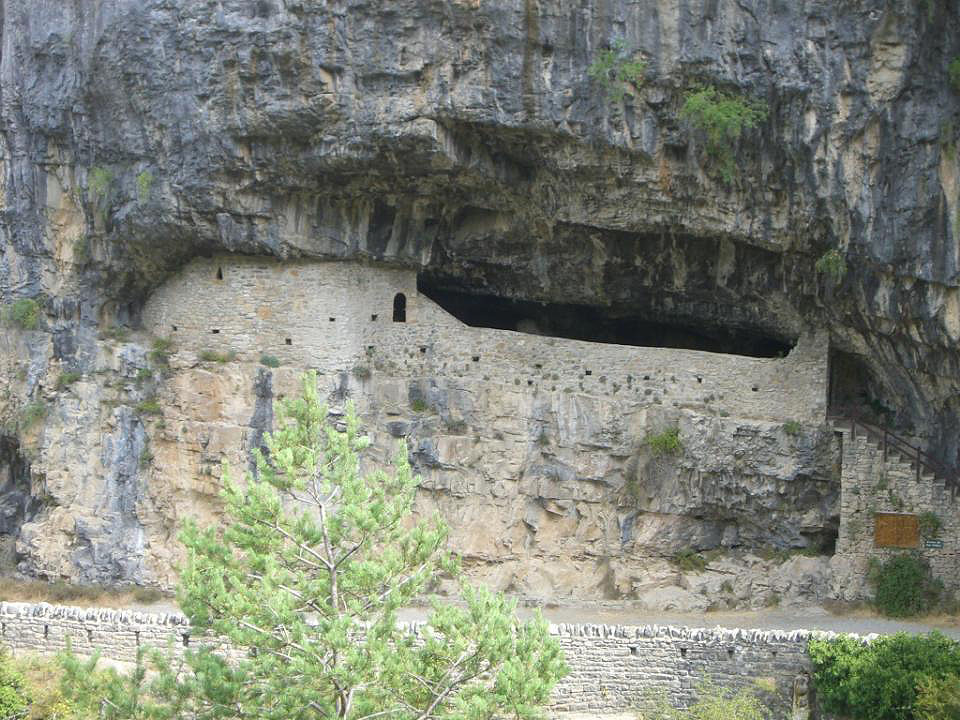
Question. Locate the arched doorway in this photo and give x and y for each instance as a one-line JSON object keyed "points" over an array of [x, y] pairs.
{"points": [[399, 307]]}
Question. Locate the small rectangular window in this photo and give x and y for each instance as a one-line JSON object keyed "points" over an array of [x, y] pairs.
{"points": [[215, 332], [289, 341]]}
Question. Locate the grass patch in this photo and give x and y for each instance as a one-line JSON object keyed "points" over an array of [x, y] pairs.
{"points": [[269, 361], [146, 458], [217, 357], [68, 378], [61, 593], [23, 313], [150, 406], [667, 442], [117, 333], [144, 375]]}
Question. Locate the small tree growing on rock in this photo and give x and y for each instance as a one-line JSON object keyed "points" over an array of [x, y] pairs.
{"points": [[307, 580]]}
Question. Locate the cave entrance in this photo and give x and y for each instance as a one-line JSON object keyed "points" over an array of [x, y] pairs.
{"points": [[854, 390], [598, 324], [17, 505]]}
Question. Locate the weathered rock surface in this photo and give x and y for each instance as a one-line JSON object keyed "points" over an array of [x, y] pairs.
{"points": [[466, 139]]}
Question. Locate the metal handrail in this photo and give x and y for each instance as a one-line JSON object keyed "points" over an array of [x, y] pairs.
{"points": [[917, 456]]}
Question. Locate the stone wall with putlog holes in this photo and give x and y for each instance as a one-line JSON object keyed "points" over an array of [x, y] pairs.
{"points": [[613, 668]]}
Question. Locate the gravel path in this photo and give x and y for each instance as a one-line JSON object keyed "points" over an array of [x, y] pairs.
{"points": [[801, 618]]}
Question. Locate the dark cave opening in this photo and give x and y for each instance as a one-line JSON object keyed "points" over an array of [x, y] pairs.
{"points": [[17, 504], [598, 324]]}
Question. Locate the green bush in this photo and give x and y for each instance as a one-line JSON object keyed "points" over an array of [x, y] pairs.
{"points": [[713, 703], [30, 414], [270, 361], [881, 680], [665, 443], [161, 351], [792, 427], [929, 524], [14, 697], [938, 698], [953, 72], [143, 375], [23, 313], [614, 69], [689, 560], [904, 587], [362, 372], [419, 405], [723, 118], [832, 264]]}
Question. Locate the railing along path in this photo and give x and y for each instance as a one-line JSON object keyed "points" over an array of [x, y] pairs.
{"points": [[913, 454]]}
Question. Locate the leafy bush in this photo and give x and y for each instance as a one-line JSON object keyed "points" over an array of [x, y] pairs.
{"points": [[81, 250], [23, 313], [792, 427], [689, 560], [881, 680], [161, 351], [14, 697], [362, 372], [929, 524], [832, 264], [666, 443], [614, 68], [419, 405], [713, 703], [903, 586], [723, 117], [953, 72], [270, 361], [143, 375], [938, 698], [147, 595]]}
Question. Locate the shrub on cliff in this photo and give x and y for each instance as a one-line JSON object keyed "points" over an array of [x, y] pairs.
{"points": [[23, 313], [306, 581], [723, 118], [885, 679]]}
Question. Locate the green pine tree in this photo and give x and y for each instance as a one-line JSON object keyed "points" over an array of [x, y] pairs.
{"points": [[305, 583]]}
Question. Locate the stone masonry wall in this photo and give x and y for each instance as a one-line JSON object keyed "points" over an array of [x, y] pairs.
{"points": [[871, 485], [612, 668], [337, 316]]}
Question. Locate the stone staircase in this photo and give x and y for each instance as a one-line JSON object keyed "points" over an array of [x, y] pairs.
{"points": [[882, 473]]}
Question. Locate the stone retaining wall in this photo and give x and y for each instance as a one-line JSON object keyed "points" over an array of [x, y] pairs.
{"points": [[613, 667], [338, 317]]}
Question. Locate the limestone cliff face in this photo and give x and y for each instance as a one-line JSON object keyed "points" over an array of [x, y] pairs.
{"points": [[465, 139]]}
